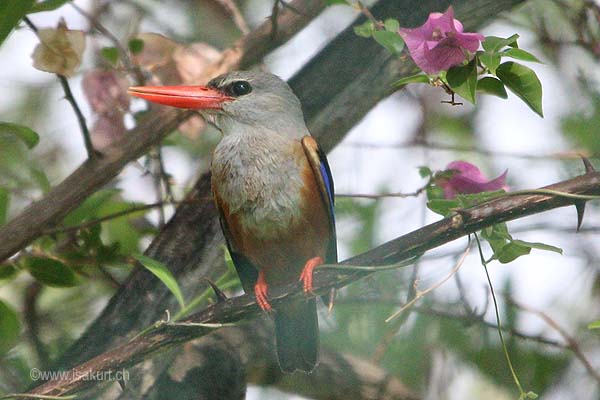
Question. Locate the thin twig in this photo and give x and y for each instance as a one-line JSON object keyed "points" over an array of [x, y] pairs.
{"points": [[382, 195], [445, 147], [467, 319], [69, 96], [497, 313], [420, 294], [571, 343], [32, 321], [236, 15], [130, 66], [115, 215]]}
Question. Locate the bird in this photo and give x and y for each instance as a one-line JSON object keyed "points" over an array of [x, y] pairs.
{"points": [[274, 191]]}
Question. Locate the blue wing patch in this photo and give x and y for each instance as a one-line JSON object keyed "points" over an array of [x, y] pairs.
{"points": [[326, 174]]}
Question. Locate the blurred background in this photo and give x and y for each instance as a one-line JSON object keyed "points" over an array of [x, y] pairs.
{"points": [[445, 346]]}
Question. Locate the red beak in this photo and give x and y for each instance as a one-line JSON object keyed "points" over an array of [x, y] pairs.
{"points": [[190, 97]]}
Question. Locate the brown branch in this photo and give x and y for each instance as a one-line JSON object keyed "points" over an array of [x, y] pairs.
{"points": [[414, 244], [95, 172]]}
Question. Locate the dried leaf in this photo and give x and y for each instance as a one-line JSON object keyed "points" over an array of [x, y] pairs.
{"points": [[192, 60], [156, 56], [60, 50]]}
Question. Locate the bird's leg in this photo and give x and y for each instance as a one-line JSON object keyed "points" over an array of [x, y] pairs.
{"points": [[307, 273], [260, 292]]}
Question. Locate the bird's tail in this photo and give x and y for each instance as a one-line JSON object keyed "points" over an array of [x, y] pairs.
{"points": [[297, 333]]}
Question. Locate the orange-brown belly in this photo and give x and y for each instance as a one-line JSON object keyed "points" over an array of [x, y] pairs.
{"points": [[282, 253]]}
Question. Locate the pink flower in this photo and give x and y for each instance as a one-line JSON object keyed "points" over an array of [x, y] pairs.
{"points": [[467, 178], [440, 43]]}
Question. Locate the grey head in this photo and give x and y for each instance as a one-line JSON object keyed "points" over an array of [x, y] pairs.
{"points": [[262, 102]]}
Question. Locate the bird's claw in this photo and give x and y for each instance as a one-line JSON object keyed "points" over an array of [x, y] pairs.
{"points": [[260, 292], [307, 273]]}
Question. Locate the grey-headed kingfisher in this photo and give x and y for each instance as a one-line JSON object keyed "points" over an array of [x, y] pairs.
{"points": [[274, 192]]}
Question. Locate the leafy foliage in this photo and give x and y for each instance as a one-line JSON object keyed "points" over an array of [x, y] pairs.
{"points": [[10, 328], [162, 272]]}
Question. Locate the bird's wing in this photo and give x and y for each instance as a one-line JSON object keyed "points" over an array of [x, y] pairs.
{"points": [[318, 163], [247, 272]]}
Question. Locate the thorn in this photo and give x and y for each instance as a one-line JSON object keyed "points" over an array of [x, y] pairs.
{"points": [[580, 207], [466, 214], [122, 383], [332, 294], [589, 168], [218, 292]]}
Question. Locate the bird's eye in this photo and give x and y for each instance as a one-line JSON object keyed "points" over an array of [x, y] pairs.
{"points": [[239, 88]]}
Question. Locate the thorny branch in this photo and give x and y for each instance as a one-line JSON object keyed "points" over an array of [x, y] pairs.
{"points": [[406, 247]]}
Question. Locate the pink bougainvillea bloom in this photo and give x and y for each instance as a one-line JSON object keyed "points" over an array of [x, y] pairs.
{"points": [[440, 43], [467, 179]]}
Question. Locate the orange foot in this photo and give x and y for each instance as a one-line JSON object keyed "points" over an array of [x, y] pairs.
{"points": [[260, 292], [307, 273]]}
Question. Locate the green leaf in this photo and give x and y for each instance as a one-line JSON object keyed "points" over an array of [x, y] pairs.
{"points": [[425, 172], [520, 54], [51, 272], [365, 29], [334, 2], [490, 60], [7, 271], [47, 5], [442, 206], [27, 135], [418, 78], [11, 12], [4, 202], [594, 325], [89, 208], [463, 80], [391, 25], [523, 82], [495, 43], [511, 251], [40, 178], [434, 192], [111, 54], [136, 45], [162, 272], [497, 236], [392, 41], [10, 328], [492, 86], [539, 246]]}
